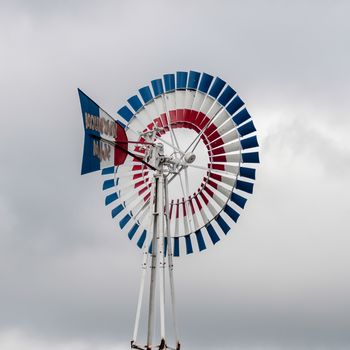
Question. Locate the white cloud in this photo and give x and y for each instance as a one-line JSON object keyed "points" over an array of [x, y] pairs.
{"points": [[67, 273], [14, 340]]}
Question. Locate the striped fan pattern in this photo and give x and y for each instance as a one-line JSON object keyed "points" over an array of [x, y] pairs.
{"points": [[214, 112]]}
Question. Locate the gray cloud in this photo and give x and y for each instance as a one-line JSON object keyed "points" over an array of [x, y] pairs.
{"points": [[68, 276]]}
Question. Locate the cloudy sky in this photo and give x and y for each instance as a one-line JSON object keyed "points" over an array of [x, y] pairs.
{"points": [[69, 278]]}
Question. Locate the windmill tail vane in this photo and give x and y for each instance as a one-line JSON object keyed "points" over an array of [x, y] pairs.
{"points": [[176, 178]]}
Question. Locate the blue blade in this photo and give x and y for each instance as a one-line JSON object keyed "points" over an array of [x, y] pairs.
{"points": [[125, 113], [200, 240], [176, 246], [135, 103], [239, 200], [193, 80], [181, 80], [124, 221], [150, 248], [157, 86], [107, 171], [205, 82], [189, 249], [231, 213], [117, 210], [223, 224], [108, 184], [165, 246], [216, 88], [244, 186], [241, 117], [142, 238], [111, 198], [234, 105], [146, 94], [252, 157], [169, 82], [212, 234], [249, 142], [226, 96], [133, 230], [247, 172], [246, 128]]}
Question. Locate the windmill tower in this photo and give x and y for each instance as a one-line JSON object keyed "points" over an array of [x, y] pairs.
{"points": [[178, 163]]}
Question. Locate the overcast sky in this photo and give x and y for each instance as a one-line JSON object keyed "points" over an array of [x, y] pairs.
{"points": [[69, 279]]}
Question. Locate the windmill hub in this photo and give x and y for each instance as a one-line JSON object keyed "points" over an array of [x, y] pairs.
{"points": [[190, 157]]}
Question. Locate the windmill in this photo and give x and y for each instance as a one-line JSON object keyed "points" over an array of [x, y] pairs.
{"points": [[178, 164]]}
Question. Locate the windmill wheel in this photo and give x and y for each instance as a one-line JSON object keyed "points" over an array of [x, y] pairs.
{"points": [[205, 127]]}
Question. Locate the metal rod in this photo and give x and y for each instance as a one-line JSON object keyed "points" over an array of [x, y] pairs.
{"points": [[170, 263], [151, 308], [139, 302], [124, 150], [142, 283], [161, 259]]}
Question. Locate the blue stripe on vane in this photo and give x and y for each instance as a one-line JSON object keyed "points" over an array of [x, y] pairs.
{"points": [[117, 210], [169, 82], [234, 105], [223, 224], [241, 117], [244, 186], [142, 238], [135, 103], [189, 249], [205, 82], [107, 171], [176, 246], [200, 240], [157, 86], [249, 142], [111, 198], [216, 88], [125, 113], [132, 231], [231, 213], [247, 172], [165, 246], [193, 80], [246, 128], [146, 94], [124, 221], [239, 200], [181, 80], [212, 234], [108, 184], [226, 96], [252, 157]]}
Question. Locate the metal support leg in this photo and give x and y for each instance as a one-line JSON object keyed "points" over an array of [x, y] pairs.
{"points": [[160, 228], [142, 285], [161, 262], [170, 263], [151, 308]]}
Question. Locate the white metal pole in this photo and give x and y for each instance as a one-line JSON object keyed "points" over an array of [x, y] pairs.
{"points": [[170, 263], [161, 261], [151, 309], [141, 291], [142, 282]]}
